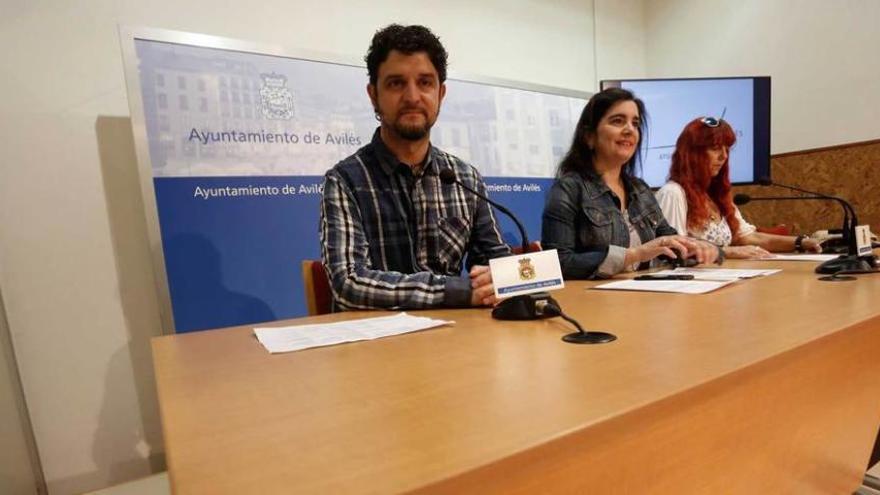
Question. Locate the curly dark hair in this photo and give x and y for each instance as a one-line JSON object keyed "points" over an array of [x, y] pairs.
{"points": [[407, 40]]}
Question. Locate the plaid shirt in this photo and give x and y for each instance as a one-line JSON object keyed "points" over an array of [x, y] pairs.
{"points": [[392, 239]]}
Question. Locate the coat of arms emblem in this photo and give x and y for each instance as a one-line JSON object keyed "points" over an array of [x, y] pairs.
{"points": [[276, 102], [526, 269]]}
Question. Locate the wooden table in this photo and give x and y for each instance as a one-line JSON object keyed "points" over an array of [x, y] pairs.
{"points": [[763, 387]]}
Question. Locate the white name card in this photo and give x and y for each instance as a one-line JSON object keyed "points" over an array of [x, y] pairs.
{"points": [[863, 240], [526, 273]]}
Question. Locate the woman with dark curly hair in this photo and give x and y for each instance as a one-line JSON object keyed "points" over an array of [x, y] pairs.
{"points": [[697, 201]]}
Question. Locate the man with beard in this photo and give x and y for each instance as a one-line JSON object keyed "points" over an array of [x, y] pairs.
{"points": [[392, 234]]}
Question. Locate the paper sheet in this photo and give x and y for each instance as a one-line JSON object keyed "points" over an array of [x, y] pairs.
{"points": [[799, 257], [295, 338], [680, 286]]}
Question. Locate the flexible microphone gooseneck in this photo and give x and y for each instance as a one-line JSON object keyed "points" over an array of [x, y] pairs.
{"points": [[529, 306], [765, 181], [850, 219], [744, 199], [850, 262], [447, 176]]}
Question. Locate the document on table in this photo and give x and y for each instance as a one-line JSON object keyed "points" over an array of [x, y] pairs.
{"points": [[298, 337], [717, 273], [680, 286], [799, 257], [705, 280]]}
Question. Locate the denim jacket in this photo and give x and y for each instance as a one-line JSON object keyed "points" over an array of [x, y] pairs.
{"points": [[583, 222]]}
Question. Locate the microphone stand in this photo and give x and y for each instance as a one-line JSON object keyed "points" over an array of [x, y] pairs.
{"points": [[851, 262], [529, 306]]}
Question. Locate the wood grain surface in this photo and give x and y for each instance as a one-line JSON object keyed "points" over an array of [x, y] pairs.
{"points": [[766, 386]]}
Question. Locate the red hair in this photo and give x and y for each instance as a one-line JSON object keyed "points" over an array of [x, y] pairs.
{"points": [[690, 169]]}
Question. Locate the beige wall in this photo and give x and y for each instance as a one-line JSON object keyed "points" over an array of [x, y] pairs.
{"points": [[621, 42], [822, 56], [17, 471], [74, 257]]}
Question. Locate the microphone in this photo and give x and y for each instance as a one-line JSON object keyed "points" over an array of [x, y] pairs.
{"points": [[851, 262], [529, 306], [849, 213], [743, 199], [447, 176]]}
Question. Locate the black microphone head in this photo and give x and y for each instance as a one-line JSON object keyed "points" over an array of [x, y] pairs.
{"points": [[765, 181], [741, 199], [447, 176]]}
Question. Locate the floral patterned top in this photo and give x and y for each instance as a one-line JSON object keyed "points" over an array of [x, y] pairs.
{"points": [[673, 202]]}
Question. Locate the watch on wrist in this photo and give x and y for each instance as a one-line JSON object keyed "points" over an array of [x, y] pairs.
{"points": [[799, 243]]}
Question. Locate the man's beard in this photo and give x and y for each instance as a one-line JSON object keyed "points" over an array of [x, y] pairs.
{"points": [[411, 132]]}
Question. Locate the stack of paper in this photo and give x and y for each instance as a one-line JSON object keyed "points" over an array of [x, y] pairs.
{"points": [[680, 286], [705, 280], [295, 338]]}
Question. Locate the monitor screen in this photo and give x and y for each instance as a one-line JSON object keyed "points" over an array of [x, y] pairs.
{"points": [[672, 103]]}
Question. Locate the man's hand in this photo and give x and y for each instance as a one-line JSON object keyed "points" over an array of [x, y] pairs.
{"points": [[483, 291]]}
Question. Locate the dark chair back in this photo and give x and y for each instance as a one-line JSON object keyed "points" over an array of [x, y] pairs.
{"points": [[319, 297]]}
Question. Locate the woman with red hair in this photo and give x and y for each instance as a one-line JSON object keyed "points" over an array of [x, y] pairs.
{"points": [[697, 201]]}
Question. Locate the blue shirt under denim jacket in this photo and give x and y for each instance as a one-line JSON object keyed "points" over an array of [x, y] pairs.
{"points": [[394, 239], [583, 221]]}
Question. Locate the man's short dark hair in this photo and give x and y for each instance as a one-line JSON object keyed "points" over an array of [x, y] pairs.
{"points": [[407, 40]]}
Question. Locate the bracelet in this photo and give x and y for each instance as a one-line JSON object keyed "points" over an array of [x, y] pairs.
{"points": [[799, 243]]}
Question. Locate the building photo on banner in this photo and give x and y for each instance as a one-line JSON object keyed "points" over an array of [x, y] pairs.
{"points": [[236, 143]]}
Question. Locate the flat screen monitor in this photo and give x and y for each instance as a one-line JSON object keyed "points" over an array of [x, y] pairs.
{"points": [[672, 103]]}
